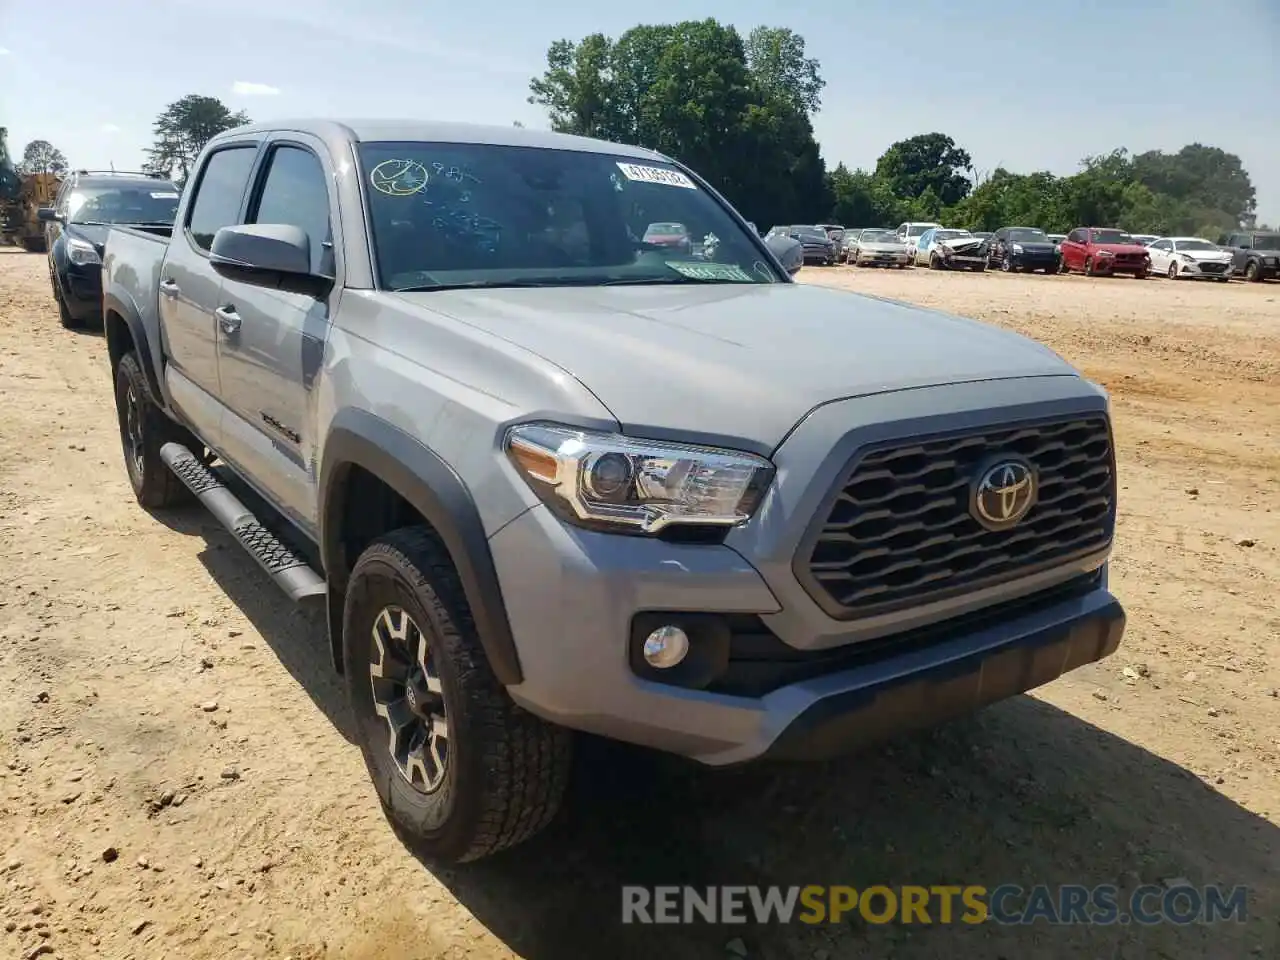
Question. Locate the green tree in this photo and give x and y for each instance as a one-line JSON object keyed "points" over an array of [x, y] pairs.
{"points": [[780, 69], [182, 130], [927, 162], [41, 156], [859, 199], [687, 90], [1207, 177]]}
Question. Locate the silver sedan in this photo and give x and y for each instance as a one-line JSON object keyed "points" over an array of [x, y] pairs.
{"points": [[880, 248]]}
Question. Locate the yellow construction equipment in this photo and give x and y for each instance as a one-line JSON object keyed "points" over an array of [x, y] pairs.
{"points": [[21, 198]]}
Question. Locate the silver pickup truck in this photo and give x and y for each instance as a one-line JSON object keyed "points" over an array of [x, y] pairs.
{"points": [[546, 475]]}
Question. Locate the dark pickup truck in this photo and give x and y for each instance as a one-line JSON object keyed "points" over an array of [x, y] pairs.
{"points": [[1255, 254]]}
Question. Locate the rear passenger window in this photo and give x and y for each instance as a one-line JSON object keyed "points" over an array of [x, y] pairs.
{"points": [[218, 194], [296, 193]]}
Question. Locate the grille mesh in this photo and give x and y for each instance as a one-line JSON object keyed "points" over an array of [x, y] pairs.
{"points": [[900, 530]]}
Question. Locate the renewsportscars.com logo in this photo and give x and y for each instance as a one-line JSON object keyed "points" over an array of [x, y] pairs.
{"points": [[1068, 904]]}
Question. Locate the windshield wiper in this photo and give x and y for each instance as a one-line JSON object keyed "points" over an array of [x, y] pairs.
{"points": [[664, 281], [497, 284]]}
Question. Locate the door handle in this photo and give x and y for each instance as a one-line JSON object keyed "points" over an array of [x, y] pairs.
{"points": [[168, 288], [228, 319]]}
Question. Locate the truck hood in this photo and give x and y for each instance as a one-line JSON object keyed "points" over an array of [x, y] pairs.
{"points": [[739, 364]]}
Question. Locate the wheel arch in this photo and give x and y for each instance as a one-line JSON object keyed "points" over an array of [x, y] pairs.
{"points": [[124, 331], [361, 445]]}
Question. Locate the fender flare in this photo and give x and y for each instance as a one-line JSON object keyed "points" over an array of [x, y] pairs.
{"points": [[357, 438], [129, 314]]}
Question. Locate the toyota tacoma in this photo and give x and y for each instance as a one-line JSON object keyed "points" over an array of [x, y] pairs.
{"points": [[545, 475]]}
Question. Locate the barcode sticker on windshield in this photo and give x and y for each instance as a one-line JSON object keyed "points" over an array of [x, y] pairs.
{"points": [[643, 174], [164, 196]]}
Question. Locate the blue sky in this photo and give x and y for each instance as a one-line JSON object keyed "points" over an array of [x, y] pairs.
{"points": [[1026, 86]]}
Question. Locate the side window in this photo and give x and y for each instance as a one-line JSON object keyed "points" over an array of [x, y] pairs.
{"points": [[1001, 234], [1078, 236], [1162, 245], [1246, 241], [296, 192], [218, 194]]}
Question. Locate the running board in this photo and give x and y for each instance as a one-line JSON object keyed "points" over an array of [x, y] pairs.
{"points": [[290, 572]]}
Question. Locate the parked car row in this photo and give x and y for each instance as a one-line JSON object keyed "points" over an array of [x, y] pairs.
{"points": [[1093, 251]]}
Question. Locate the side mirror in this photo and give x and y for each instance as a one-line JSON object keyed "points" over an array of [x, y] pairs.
{"points": [[267, 255], [47, 215]]}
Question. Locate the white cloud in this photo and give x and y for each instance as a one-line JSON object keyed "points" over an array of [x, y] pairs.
{"points": [[109, 128], [247, 89], [4, 51]]}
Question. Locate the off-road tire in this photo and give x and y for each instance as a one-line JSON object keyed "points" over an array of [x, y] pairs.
{"points": [[154, 484], [507, 769]]}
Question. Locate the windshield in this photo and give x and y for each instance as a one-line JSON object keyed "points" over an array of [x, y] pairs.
{"points": [[1028, 235], [1112, 236], [1197, 245], [146, 203], [915, 229], [813, 233], [950, 234], [878, 236], [461, 214]]}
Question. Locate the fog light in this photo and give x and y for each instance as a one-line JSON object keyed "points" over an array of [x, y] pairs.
{"points": [[666, 647]]}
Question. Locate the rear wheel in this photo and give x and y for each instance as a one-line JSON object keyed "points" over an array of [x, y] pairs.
{"points": [[144, 429], [461, 770]]}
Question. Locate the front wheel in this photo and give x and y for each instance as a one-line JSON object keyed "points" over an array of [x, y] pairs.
{"points": [[144, 429], [461, 770], [64, 314], [1173, 271], [1006, 264], [1252, 273], [935, 262]]}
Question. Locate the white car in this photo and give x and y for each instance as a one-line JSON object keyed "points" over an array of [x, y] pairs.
{"points": [[910, 232], [1188, 257], [879, 248], [942, 248], [1145, 239]]}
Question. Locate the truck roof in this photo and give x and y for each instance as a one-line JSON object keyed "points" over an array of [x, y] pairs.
{"points": [[337, 130]]}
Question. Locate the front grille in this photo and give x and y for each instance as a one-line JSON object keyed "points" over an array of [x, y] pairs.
{"points": [[1213, 268], [900, 532]]}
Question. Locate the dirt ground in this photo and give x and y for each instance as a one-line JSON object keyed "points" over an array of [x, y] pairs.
{"points": [[164, 708]]}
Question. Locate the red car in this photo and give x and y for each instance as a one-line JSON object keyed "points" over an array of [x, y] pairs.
{"points": [[1103, 251]]}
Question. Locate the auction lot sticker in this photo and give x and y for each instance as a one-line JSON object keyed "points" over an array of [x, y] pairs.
{"points": [[643, 174]]}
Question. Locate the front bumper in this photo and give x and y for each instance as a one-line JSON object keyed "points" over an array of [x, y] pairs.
{"points": [[869, 258], [965, 259], [1035, 261], [81, 287], [794, 682], [1216, 269]]}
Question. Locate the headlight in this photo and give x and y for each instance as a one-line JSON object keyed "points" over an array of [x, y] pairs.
{"points": [[1187, 258], [609, 481], [81, 252], [1016, 248]]}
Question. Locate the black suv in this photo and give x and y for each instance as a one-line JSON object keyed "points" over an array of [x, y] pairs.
{"points": [[76, 226]]}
